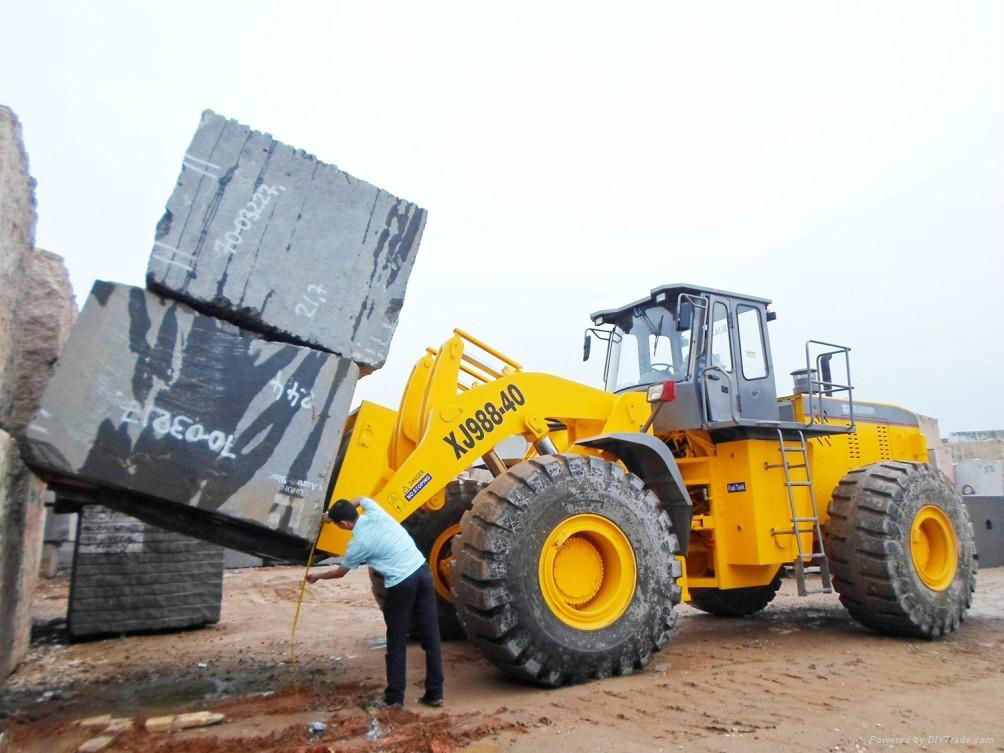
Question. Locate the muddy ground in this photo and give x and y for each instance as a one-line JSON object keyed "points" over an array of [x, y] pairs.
{"points": [[801, 676]]}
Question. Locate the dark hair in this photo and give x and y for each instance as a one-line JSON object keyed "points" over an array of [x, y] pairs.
{"points": [[342, 510]]}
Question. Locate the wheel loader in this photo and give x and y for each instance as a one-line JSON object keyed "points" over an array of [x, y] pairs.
{"points": [[687, 478]]}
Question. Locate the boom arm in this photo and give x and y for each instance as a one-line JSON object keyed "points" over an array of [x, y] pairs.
{"points": [[405, 459]]}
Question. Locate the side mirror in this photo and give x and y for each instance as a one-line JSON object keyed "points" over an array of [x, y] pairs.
{"points": [[685, 316], [586, 347]]}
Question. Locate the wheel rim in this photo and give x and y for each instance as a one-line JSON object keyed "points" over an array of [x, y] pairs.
{"points": [[441, 562], [933, 547], [587, 572]]}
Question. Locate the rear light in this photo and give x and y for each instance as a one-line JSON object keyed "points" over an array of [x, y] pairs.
{"points": [[662, 393]]}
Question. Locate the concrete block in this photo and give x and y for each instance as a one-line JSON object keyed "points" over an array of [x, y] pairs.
{"points": [[129, 577], [49, 565], [193, 420], [987, 516], [976, 449], [22, 525], [981, 477], [46, 313], [17, 238], [271, 238]]}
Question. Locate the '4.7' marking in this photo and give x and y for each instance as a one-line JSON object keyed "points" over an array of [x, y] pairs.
{"points": [[474, 428]]}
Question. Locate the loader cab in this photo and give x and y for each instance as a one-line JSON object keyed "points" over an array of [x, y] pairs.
{"points": [[711, 344]]}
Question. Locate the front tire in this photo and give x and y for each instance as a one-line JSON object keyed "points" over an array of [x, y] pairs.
{"points": [[901, 549], [567, 571]]}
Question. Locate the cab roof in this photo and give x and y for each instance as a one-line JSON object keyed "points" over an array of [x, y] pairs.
{"points": [[666, 292]]}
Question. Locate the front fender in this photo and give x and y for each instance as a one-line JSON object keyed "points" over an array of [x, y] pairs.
{"points": [[650, 460]]}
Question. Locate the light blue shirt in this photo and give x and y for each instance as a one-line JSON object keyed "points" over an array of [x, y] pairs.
{"points": [[382, 543]]}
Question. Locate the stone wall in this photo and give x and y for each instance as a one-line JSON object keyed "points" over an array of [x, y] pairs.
{"points": [[17, 238], [36, 313], [47, 311], [988, 449], [22, 524]]}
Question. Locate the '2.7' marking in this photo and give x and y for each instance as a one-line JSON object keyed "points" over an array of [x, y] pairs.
{"points": [[474, 428]]}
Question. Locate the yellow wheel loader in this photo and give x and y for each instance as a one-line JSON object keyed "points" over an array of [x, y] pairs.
{"points": [[686, 478]]}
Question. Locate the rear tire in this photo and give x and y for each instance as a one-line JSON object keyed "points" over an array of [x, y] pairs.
{"points": [[505, 590], [735, 602], [901, 549], [425, 527]]}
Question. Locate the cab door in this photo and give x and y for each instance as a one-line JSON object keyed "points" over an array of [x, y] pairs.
{"points": [[717, 375]]}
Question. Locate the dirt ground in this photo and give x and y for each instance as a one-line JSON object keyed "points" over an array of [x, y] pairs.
{"points": [[801, 676]]}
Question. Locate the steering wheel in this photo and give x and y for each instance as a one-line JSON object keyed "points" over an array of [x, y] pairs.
{"points": [[659, 366]]}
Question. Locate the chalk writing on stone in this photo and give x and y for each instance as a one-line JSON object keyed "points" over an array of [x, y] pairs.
{"points": [[246, 217], [177, 426], [292, 391], [311, 301]]}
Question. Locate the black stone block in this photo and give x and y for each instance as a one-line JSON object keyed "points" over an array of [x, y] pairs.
{"points": [[271, 238], [177, 408]]}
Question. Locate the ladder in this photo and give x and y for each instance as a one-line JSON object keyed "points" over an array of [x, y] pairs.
{"points": [[801, 524]]}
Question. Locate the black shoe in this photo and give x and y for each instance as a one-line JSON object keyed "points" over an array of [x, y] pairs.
{"points": [[434, 702]]}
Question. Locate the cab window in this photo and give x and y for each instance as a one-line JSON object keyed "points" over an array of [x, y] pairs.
{"points": [[751, 348], [721, 351]]}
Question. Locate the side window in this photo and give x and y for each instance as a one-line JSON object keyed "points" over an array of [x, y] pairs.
{"points": [[751, 350], [721, 352], [627, 364]]}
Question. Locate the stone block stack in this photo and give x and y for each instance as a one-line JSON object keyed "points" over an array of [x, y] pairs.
{"points": [[129, 576], [213, 402]]}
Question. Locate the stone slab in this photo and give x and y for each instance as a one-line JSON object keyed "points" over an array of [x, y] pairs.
{"points": [[96, 744], [268, 236], [987, 516], [188, 417], [46, 315], [234, 560], [17, 238], [22, 526], [100, 722], [115, 589]]}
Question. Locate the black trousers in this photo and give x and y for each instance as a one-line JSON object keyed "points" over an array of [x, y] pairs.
{"points": [[414, 598]]}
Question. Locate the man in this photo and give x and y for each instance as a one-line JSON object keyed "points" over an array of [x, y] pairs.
{"points": [[381, 542]]}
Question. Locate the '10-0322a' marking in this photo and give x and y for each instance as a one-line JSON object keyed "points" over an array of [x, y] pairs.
{"points": [[483, 421]]}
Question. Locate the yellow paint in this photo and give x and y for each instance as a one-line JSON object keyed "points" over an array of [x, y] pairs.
{"points": [[587, 571], [738, 540], [389, 455], [933, 547], [404, 459], [441, 564]]}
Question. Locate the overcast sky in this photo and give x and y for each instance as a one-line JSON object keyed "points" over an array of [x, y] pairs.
{"points": [[843, 159]]}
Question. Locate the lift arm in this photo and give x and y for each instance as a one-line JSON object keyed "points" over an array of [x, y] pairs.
{"points": [[452, 425]]}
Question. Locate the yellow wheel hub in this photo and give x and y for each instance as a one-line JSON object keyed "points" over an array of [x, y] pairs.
{"points": [[441, 562], [933, 547], [587, 572]]}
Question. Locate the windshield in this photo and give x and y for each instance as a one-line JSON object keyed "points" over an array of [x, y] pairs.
{"points": [[648, 349]]}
